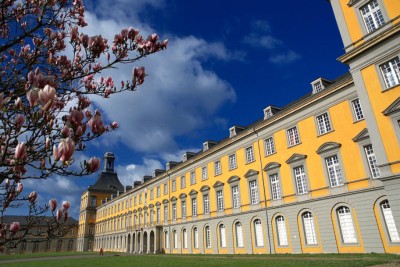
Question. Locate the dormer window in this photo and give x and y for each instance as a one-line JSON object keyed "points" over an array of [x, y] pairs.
{"points": [[372, 16], [208, 144], [270, 111], [234, 130], [320, 84], [317, 87]]}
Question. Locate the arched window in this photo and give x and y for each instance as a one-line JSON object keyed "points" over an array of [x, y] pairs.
{"points": [[281, 231], [70, 245], [258, 233], [175, 235], [346, 225], [222, 236], [166, 239], [208, 236], [195, 238], [389, 221], [239, 235], [59, 245], [309, 228], [184, 237], [23, 245]]}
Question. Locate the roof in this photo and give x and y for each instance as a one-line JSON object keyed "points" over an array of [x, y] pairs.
{"points": [[23, 220], [108, 182]]}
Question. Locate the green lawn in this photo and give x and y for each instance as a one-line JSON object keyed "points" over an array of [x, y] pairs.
{"points": [[324, 260]]}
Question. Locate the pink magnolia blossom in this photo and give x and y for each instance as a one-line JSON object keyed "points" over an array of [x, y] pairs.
{"points": [[20, 187], [19, 121], [59, 214], [32, 197], [7, 182], [164, 44], [20, 151], [96, 124], [114, 125], [56, 154], [66, 132], [76, 117], [18, 103], [48, 143], [138, 75], [66, 149], [47, 97], [66, 205], [15, 227], [53, 204], [33, 97], [4, 101], [93, 165]]}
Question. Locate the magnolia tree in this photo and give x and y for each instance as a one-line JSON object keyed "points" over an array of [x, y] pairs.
{"points": [[48, 70]]}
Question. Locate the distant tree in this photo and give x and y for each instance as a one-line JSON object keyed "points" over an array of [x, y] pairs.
{"points": [[48, 70]]}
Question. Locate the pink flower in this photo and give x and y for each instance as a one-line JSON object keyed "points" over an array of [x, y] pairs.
{"points": [[20, 151], [3, 101], [48, 143], [96, 124], [7, 181], [32, 197], [76, 117], [53, 204], [74, 34], [66, 205], [114, 125], [47, 97], [164, 44], [56, 154], [33, 97], [59, 214], [66, 131], [138, 75], [66, 149], [19, 121], [15, 227], [93, 165], [20, 187], [18, 103]]}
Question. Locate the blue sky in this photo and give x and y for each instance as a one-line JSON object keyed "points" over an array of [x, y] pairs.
{"points": [[225, 64]]}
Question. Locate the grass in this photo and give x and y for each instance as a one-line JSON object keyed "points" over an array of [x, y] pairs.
{"points": [[43, 255], [287, 260]]}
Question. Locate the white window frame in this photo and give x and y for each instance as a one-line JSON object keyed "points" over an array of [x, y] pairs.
{"points": [[165, 213], [208, 236], [293, 136], [369, 13], [195, 237], [222, 235], [281, 231], [166, 239], [174, 185], [254, 197], [258, 233], [158, 215], [166, 189], [334, 171], [346, 225], [235, 197], [310, 232], [174, 211], [389, 222], [192, 177], [217, 168], [239, 235], [183, 181], [300, 179], [357, 109], [249, 153], [183, 207], [232, 161], [175, 239], [276, 192], [220, 200], [371, 159], [390, 71], [269, 145], [194, 207], [204, 173], [324, 124], [206, 200], [184, 238]]}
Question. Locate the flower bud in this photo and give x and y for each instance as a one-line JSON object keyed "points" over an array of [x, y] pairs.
{"points": [[53, 204], [15, 227], [66, 205], [20, 187], [32, 197]]}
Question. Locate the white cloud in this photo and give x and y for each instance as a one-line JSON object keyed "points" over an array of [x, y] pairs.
{"points": [[134, 172], [283, 58]]}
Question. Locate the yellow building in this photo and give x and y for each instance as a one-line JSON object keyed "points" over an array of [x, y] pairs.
{"points": [[321, 175]]}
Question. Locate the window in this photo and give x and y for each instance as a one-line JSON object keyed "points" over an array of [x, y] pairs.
{"points": [[151, 195], [275, 186], [249, 154], [165, 189], [372, 15], [220, 200], [324, 125], [258, 232], [36, 245], [140, 199], [358, 113], [235, 196], [239, 235], [175, 239], [48, 244], [183, 182], [23, 245], [269, 146], [184, 237], [389, 221], [194, 207], [391, 72], [208, 237], [282, 234], [165, 213], [334, 173], [309, 228], [204, 173], [300, 178], [166, 239], [293, 136], [192, 178], [346, 225], [195, 238], [158, 215], [93, 201], [173, 185], [59, 245], [222, 236], [217, 168], [253, 192], [369, 152], [158, 192], [183, 204], [134, 202], [317, 87], [151, 216], [232, 162], [206, 204], [174, 211]]}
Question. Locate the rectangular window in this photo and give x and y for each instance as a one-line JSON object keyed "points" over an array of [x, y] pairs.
{"points": [[220, 200], [165, 213], [173, 185], [324, 125], [269, 146], [204, 173], [309, 228], [166, 239], [239, 235], [372, 16], [174, 211], [184, 232], [183, 182], [208, 237], [183, 203], [317, 87], [300, 177], [282, 234], [158, 191], [151, 195], [259, 233], [369, 152], [334, 172], [232, 162], [165, 189], [249, 154], [293, 136], [253, 192], [217, 168], [194, 207], [206, 204], [175, 239], [140, 199], [275, 186], [158, 215], [359, 115], [151, 216], [222, 234], [195, 238], [391, 72], [192, 178], [235, 197]]}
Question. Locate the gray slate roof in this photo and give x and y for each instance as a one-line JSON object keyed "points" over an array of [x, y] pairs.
{"points": [[8, 219], [108, 182]]}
